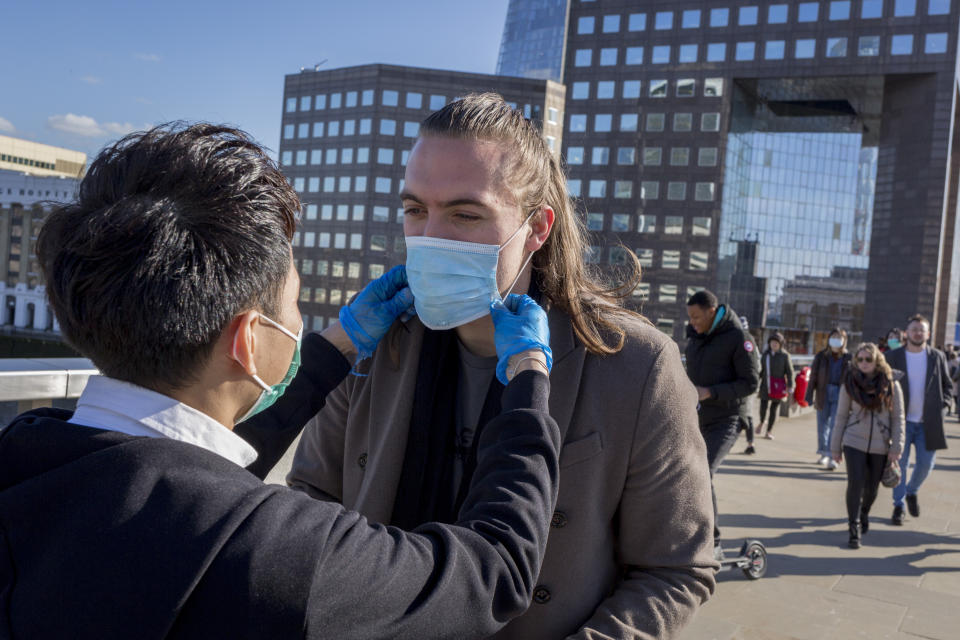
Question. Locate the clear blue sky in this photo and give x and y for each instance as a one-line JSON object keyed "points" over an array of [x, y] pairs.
{"points": [[79, 74]]}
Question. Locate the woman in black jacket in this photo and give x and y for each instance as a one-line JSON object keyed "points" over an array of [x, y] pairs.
{"points": [[776, 380]]}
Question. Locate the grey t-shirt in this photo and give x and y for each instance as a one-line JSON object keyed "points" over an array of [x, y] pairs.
{"points": [[473, 383]]}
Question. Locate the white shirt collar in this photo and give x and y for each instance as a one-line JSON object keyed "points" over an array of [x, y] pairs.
{"points": [[114, 405]]}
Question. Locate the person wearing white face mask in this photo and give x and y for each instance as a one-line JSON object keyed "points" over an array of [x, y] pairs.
{"points": [[823, 391], [486, 213]]}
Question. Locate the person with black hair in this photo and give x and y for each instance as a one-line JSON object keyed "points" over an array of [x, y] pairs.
{"points": [[134, 516], [722, 362], [776, 380], [827, 373]]}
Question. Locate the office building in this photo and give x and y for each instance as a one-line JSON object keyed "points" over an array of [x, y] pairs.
{"points": [[761, 149], [346, 134], [532, 45]]}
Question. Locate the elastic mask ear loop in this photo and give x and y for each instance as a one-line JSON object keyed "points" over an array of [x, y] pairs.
{"points": [[525, 262]]}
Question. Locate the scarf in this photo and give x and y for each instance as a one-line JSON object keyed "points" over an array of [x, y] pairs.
{"points": [[872, 393]]}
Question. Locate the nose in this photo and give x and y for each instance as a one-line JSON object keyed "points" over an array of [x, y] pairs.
{"points": [[434, 227]]}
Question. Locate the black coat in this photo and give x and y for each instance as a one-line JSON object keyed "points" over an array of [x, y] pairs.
{"points": [[936, 396], [725, 361], [106, 535]]}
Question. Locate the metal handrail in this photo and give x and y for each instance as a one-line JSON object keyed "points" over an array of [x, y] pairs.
{"points": [[43, 378]]}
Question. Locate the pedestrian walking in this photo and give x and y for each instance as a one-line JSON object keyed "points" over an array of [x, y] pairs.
{"points": [[869, 432], [776, 380], [823, 391], [926, 390], [722, 363]]}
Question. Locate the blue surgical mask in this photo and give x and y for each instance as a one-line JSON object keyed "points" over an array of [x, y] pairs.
{"points": [[893, 343], [270, 394], [454, 282]]}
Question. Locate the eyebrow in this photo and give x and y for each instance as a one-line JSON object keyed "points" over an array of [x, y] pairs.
{"points": [[406, 195]]}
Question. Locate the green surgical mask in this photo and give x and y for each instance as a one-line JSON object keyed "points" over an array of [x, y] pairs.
{"points": [[269, 395]]}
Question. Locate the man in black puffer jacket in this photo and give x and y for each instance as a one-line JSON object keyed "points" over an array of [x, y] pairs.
{"points": [[722, 362]]}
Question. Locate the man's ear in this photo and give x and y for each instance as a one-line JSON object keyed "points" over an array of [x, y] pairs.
{"points": [[542, 224], [244, 341]]}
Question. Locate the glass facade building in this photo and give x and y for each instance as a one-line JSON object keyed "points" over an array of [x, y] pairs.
{"points": [[532, 45], [795, 157]]}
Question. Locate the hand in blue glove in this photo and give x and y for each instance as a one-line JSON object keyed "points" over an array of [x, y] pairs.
{"points": [[375, 308], [519, 325]]}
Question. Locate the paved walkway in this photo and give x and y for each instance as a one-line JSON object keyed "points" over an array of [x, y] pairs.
{"points": [[903, 583]]}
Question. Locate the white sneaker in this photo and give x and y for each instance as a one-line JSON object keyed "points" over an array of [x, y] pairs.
{"points": [[823, 460], [831, 465]]}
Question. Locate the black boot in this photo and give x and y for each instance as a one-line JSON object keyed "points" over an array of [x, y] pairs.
{"points": [[864, 522], [854, 542]]}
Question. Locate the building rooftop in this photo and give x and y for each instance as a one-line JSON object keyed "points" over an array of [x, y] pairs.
{"points": [[40, 159]]}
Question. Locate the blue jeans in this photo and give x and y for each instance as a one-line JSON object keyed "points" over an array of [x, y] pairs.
{"points": [[922, 465], [825, 419]]}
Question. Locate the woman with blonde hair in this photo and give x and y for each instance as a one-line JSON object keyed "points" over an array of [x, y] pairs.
{"points": [[869, 431]]}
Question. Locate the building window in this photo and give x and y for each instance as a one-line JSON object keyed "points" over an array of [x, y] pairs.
{"points": [[620, 222], [719, 17], [691, 19], [668, 293], [356, 243], [642, 290], [698, 260], [320, 102], [703, 192], [658, 89], [573, 188], [748, 16], [381, 214], [592, 254], [411, 129], [437, 102], [574, 155], [333, 128], [580, 91], [286, 158], [578, 122], [288, 131], [671, 259], [710, 122], [390, 98], [637, 22], [935, 43], [663, 21], [676, 191], [652, 156], [346, 156], [871, 9], [626, 156], [291, 105], [331, 156], [808, 11], [366, 98], [313, 185], [777, 14], [773, 50], [713, 87], [552, 115], [384, 156], [349, 127], [745, 51], [606, 89], [655, 121], [382, 185], [583, 57], [597, 189], [631, 89], [901, 45], [679, 156], [634, 55], [804, 48], [585, 25], [646, 223], [717, 52], [608, 57], [628, 121], [326, 212], [388, 127], [868, 46], [938, 7], [840, 10], [298, 185], [611, 24], [602, 122], [335, 99], [360, 184], [305, 103], [623, 189], [673, 225], [649, 190], [904, 8], [686, 87], [378, 243], [645, 256], [600, 156], [836, 47], [688, 53], [683, 122], [707, 157], [594, 222], [661, 54], [351, 98], [700, 226]]}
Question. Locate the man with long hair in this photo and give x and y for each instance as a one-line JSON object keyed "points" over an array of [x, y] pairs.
{"points": [[486, 213]]}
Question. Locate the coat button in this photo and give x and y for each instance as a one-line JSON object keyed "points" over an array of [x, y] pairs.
{"points": [[559, 519], [541, 595], [362, 460]]}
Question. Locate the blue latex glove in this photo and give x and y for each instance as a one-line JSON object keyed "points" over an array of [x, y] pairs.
{"points": [[519, 325], [370, 315]]}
